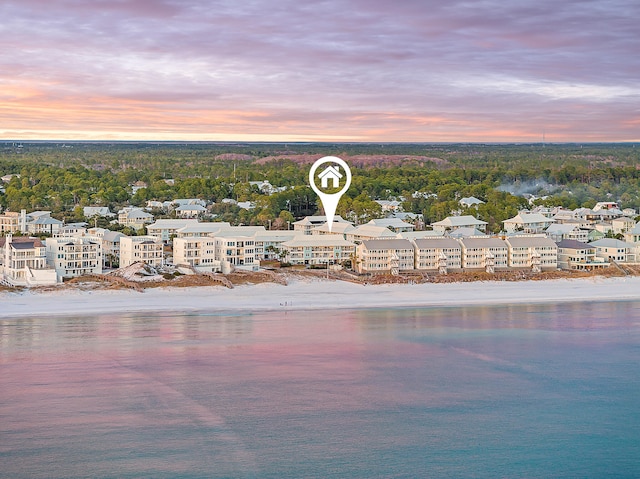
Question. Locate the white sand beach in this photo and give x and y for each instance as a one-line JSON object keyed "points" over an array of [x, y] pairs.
{"points": [[316, 294]]}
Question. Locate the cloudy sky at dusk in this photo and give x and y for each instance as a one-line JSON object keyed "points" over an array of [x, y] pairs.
{"points": [[334, 70]]}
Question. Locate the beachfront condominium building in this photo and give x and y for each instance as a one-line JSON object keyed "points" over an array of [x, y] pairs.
{"points": [[385, 256], [74, 256], [23, 262], [236, 252], [484, 253], [317, 249], [537, 253], [437, 254], [145, 249], [197, 252], [369, 231]]}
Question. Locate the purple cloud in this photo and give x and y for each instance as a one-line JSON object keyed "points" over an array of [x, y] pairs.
{"points": [[410, 70]]}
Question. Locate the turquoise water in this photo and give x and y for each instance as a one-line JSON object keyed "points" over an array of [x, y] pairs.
{"points": [[487, 392]]}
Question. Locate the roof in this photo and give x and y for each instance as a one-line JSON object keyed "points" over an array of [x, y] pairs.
{"points": [[427, 243], [490, 242], [45, 220], [391, 223], [24, 245], [274, 235], [171, 224], [137, 213], [457, 221], [387, 244], [203, 227], [191, 208], [530, 241], [372, 231], [112, 236], [317, 240], [21, 239], [336, 227], [419, 234], [318, 220], [562, 228], [466, 232], [528, 218], [573, 244], [611, 243]]}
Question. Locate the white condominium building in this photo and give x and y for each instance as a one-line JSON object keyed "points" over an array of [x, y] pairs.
{"points": [[438, 254], [317, 249], [236, 252], [197, 252], [385, 256], [74, 256], [23, 262], [146, 249]]}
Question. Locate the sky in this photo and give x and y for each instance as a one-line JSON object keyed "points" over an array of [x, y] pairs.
{"points": [[333, 70]]}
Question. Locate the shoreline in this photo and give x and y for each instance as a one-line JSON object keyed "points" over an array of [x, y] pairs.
{"points": [[315, 294]]}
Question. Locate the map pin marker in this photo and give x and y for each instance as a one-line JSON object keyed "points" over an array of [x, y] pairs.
{"points": [[330, 174]]}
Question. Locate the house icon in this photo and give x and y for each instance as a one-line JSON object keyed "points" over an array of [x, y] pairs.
{"points": [[330, 172]]}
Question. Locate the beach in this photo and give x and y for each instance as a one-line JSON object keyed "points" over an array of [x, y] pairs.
{"points": [[315, 295]]}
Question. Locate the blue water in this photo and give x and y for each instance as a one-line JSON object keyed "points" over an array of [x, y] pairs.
{"points": [[487, 392]]}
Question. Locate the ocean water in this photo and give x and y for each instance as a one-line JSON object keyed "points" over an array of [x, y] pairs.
{"points": [[474, 392]]}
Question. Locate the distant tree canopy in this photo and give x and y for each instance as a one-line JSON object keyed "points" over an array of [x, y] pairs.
{"points": [[430, 179]]}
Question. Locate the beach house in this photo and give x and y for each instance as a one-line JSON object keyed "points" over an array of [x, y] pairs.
{"points": [[577, 255], [527, 223], [23, 262]]}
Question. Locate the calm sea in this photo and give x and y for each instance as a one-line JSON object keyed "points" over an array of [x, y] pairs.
{"points": [[487, 392]]}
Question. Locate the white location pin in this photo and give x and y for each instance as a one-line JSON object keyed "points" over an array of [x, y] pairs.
{"points": [[330, 173]]}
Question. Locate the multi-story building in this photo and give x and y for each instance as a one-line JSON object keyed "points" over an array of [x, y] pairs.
{"points": [[236, 252], [145, 249], [438, 254], [198, 252], [23, 262], [269, 243], [615, 250], [528, 223], [166, 229], [307, 224], [484, 253], [578, 255], [533, 252], [74, 256], [385, 256], [317, 249]]}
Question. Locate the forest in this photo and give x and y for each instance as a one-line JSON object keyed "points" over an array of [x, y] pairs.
{"points": [[429, 179]]}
